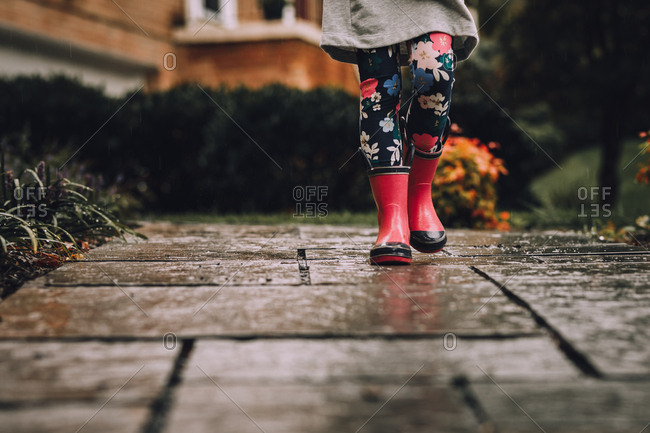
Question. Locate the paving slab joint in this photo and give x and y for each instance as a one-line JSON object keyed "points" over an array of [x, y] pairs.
{"points": [[303, 266], [576, 357], [462, 385], [161, 406]]}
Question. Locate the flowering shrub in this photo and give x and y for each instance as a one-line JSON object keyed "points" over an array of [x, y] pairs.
{"points": [[464, 188], [643, 175]]}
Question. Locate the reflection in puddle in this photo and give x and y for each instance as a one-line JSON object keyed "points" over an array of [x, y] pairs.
{"points": [[408, 297]]}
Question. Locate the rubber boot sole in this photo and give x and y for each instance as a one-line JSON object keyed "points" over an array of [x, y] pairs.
{"points": [[392, 253], [426, 243]]}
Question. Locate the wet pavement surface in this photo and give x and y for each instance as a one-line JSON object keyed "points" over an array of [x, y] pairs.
{"points": [[208, 327]]}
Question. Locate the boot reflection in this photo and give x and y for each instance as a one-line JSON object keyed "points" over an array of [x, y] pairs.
{"points": [[409, 298]]}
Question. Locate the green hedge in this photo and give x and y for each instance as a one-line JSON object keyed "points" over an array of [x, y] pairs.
{"points": [[187, 149]]}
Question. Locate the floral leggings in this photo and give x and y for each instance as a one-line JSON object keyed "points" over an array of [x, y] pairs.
{"points": [[431, 62]]}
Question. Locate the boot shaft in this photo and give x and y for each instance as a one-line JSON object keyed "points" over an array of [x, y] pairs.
{"points": [[390, 191]]}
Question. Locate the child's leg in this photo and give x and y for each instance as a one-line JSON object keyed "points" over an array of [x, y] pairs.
{"points": [[432, 68], [433, 77], [379, 130], [381, 143]]}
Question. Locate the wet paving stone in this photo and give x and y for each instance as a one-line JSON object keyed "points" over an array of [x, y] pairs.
{"points": [[418, 407], [294, 330], [384, 307], [269, 292], [585, 406], [457, 238], [177, 273], [602, 308], [321, 362], [184, 250], [516, 246], [540, 245], [59, 386], [623, 257], [261, 296], [72, 417], [328, 386], [200, 242], [89, 371]]}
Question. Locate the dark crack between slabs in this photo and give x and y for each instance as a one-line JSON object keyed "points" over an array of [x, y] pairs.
{"points": [[462, 385], [162, 405], [303, 267], [252, 335], [576, 357]]}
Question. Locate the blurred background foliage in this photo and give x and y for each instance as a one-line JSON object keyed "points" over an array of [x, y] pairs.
{"points": [[562, 87], [193, 149], [574, 75]]}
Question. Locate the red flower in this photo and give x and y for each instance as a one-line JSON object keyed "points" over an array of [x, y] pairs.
{"points": [[441, 42], [368, 87], [424, 142]]}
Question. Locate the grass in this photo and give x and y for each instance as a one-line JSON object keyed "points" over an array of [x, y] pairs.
{"points": [[334, 218], [569, 196], [557, 190]]}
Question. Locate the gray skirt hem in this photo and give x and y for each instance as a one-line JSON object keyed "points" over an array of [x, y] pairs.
{"points": [[349, 25], [344, 49]]}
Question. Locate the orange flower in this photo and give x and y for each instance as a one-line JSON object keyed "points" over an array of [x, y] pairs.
{"points": [[464, 186], [455, 129]]}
